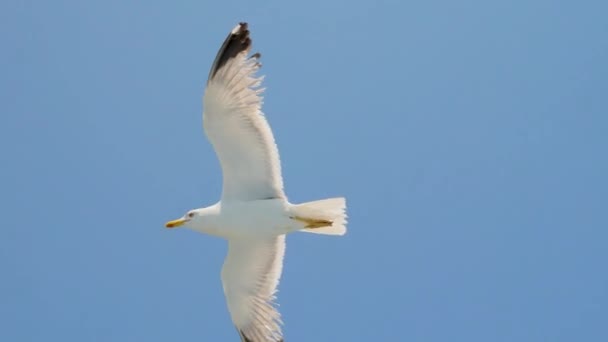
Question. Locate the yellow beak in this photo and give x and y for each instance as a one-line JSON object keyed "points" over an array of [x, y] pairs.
{"points": [[175, 223]]}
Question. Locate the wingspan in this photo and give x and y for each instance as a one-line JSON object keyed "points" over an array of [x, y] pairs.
{"points": [[250, 276], [235, 125]]}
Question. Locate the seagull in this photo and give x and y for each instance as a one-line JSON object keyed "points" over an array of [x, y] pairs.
{"points": [[253, 214]]}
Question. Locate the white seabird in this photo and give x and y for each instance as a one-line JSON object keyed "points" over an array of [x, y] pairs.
{"points": [[253, 214]]}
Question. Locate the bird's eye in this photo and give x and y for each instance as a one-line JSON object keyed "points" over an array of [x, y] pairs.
{"points": [[190, 214]]}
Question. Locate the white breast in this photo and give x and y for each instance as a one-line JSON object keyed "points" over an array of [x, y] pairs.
{"points": [[258, 218]]}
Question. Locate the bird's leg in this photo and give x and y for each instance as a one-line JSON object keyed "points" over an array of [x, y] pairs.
{"points": [[313, 223]]}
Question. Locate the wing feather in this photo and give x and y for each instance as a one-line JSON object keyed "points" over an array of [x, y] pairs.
{"points": [[250, 277], [235, 125]]}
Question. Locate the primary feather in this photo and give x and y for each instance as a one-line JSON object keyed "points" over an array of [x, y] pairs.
{"points": [[250, 277], [235, 124]]}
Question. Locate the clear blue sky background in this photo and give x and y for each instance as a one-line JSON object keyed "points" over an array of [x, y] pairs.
{"points": [[468, 136]]}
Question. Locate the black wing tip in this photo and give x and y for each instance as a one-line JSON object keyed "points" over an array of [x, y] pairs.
{"points": [[245, 339], [237, 41]]}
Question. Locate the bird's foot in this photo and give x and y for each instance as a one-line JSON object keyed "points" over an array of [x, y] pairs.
{"points": [[313, 223]]}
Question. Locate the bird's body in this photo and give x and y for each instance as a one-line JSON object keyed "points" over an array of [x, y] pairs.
{"points": [[253, 214], [237, 219]]}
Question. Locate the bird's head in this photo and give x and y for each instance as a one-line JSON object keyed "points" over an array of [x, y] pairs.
{"points": [[190, 219]]}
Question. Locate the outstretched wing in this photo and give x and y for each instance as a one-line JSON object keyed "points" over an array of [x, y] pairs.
{"points": [[235, 125], [250, 276]]}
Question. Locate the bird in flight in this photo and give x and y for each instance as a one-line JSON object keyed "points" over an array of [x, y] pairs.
{"points": [[253, 213]]}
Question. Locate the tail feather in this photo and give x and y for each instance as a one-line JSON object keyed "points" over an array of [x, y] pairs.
{"points": [[331, 209]]}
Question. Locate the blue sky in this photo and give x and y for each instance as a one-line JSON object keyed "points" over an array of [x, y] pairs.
{"points": [[469, 138]]}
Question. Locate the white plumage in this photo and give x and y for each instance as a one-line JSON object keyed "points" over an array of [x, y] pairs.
{"points": [[242, 139], [260, 263], [253, 214]]}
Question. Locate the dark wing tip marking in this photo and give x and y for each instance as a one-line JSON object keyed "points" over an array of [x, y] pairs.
{"points": [[237, 41], [245, 339]]}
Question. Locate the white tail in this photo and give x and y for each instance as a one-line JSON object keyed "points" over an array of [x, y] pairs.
{"points": [[331, 209]]}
